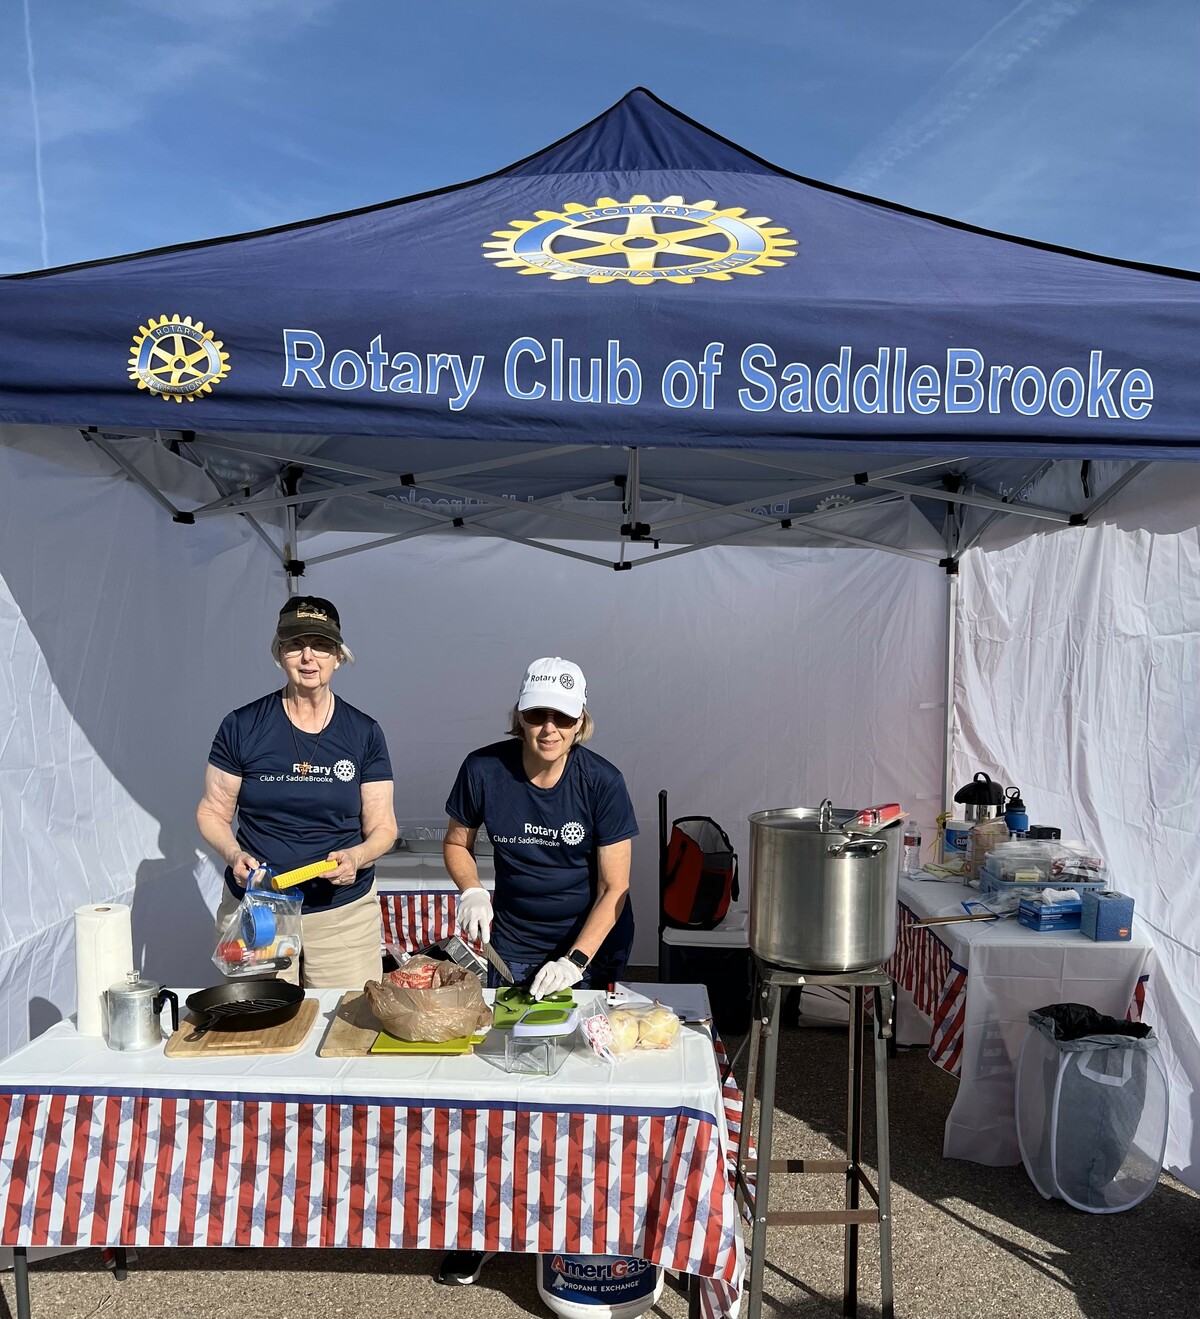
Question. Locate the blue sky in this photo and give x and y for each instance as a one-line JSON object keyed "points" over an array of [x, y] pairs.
{"points": [[1072, 121]]}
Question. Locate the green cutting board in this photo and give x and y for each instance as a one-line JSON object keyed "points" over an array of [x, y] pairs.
{"points": [[512, 1004], [386, 1043]]}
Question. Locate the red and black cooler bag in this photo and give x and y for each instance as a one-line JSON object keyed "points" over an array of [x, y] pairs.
{"points": [[701, 874]]}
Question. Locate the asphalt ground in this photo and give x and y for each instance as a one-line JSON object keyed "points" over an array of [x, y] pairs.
{"points": [[968, 1240]]}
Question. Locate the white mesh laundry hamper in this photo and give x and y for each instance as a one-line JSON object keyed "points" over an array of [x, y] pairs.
{"points": [[1091, 1108]]}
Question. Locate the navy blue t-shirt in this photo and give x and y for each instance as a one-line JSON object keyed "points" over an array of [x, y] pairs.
{"points": [[545, 842], [286, 818]]}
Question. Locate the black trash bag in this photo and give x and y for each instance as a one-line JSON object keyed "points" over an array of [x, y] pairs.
{"points": [[1074, 1021]]}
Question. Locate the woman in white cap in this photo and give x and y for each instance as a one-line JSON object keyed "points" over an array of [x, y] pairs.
{"points": [[309, 779], [560, 821]]}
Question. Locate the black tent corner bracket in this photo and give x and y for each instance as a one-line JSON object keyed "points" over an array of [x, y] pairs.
{"points": [[622, 567], [294, 567], [862, 478], [187, 519], [636, 530], [1077, 520], [950, 564]]}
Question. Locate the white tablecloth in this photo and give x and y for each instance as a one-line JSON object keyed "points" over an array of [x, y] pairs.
{"points": [[104, 1148], [976, 982]]}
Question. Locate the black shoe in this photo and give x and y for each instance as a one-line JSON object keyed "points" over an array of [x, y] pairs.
{"points": [[460, 1268]]}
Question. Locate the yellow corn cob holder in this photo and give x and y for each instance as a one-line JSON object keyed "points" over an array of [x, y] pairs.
{"points": [[290, 877]]}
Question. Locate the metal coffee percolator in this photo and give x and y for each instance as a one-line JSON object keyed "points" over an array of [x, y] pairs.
{"points": [[131, 1010]]}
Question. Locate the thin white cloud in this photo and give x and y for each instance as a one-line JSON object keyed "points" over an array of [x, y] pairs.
{"points": [[37, 134], [128, 81], [963, 89]]}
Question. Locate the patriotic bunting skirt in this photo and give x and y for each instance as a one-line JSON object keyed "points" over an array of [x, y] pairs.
{"points": [[923, 966], [156, 1168]]}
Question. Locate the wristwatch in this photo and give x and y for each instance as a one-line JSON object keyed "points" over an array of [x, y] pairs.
{"points": [[580, 959]]}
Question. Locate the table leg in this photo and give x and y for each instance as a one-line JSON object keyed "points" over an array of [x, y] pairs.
{"points": [[766, 1118], [21, 1282], [853, 1149], [693, 1296], [884, 1035]]}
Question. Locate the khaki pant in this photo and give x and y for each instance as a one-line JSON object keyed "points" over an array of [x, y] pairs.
{"points": [[341, 946]]}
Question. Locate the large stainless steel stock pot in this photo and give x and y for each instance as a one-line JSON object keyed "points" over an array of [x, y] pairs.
{"points": [[823, 888]]}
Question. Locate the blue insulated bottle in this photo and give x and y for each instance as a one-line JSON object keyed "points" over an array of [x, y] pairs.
{"points": [[1014, 814]]}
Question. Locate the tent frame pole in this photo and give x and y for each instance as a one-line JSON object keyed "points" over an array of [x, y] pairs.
{"points": [[130, 470], [952, 591]]}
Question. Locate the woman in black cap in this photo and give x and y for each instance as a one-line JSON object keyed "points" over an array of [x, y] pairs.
{"points": [[309, 779]]}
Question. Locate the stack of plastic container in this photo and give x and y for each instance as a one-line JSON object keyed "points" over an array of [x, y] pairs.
{"points": [[1028, 865]]}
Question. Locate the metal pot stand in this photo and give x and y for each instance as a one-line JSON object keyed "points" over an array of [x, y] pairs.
{"points": [[753, 1177]]}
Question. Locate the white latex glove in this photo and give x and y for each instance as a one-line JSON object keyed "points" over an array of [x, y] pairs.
{"points": [[474, 916], [562, 973]]}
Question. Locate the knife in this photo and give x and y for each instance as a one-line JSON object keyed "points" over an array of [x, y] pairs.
{"points": [[498, 962]]}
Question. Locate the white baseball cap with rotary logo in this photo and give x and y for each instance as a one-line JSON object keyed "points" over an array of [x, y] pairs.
{"points": [[556, 684]]}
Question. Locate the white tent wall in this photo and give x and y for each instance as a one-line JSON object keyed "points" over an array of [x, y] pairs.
{"points": [[122, 637], [1078, 668], [736, 678]]}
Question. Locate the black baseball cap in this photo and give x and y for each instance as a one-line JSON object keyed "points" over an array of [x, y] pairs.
{"points": [[309, 616]]}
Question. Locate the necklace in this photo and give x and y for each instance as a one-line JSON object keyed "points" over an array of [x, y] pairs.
{"points": [[303, 767]]}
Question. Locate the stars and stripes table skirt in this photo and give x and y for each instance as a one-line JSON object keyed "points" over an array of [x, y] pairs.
{"points": [[155, 1167], [414, 919], [923, 965]]}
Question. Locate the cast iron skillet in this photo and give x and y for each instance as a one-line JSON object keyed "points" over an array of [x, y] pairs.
{"points": [[244, 1004]]}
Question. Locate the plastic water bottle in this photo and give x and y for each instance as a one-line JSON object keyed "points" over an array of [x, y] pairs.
{"points": [[911, 853]]}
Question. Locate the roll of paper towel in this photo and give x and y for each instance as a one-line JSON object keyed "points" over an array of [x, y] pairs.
{"points": [[103, 957]]}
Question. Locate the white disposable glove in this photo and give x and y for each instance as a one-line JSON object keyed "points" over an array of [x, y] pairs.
{"points": [[562, 973], [474, 916]]}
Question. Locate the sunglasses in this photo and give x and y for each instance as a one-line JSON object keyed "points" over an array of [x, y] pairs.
{"points": [[537, 717], [318, 646]]}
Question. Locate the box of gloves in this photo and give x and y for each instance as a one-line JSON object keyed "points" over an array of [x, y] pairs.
{"points": [[1051, 909]]}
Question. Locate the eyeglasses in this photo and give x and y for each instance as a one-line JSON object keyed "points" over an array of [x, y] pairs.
{"points": [[537, 717], [318, 646]]}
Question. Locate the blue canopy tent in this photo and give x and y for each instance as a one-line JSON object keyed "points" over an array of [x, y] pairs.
{"points": [[638, 342], [643, 316]]}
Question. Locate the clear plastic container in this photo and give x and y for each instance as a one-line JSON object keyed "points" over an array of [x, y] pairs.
{"points": [[535, 1055]]}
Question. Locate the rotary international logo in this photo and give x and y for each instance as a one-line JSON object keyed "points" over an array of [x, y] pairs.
{"points": [[641, 242], [567, 681], [344, 770], [572, 833], [175, 358]]}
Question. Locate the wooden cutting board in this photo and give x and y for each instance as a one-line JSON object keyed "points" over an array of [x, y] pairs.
{"points": [[355, 1028], [287, 1037]]}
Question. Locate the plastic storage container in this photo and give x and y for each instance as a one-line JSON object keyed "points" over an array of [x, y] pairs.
{"points": [[540, 1055], [598, 1286], [1032, 864], [1091, 1108]]}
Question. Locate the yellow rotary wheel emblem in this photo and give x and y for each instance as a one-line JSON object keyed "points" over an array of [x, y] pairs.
{"points": [[641, 242], [176, 359]]}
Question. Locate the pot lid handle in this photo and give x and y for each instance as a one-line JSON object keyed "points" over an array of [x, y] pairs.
{"points": [[826, 814]]}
